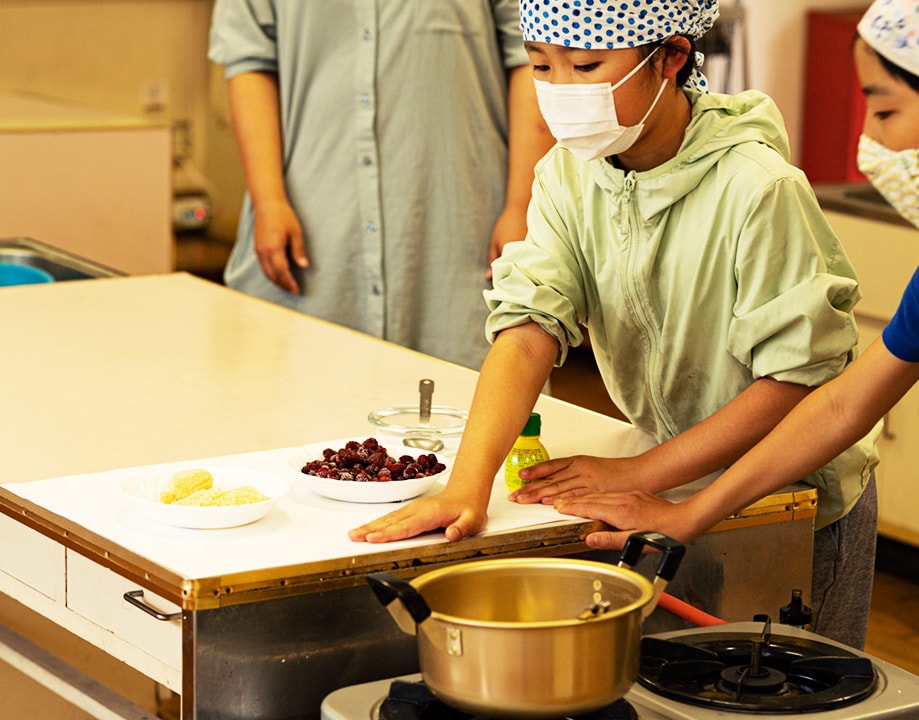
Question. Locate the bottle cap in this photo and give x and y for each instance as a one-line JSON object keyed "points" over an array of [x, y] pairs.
{"points": [[533, 426]]}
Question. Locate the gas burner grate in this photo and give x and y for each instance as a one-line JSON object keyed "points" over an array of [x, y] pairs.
{"points": [[414, 701], [755, 673]]}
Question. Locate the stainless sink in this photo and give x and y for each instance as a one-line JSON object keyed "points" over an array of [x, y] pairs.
{"points": [[59, 264], [859, 199]]}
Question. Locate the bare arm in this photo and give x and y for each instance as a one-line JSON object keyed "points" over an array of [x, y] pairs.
{"points": [[827, 422], [512, 376], [255, 111], [528, 140], [711, 445], [722, 438]]}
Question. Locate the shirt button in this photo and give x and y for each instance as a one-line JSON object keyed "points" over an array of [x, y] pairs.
{"points": [[375, 289], [366, 35], [367, 160], [365, 99], [371, 227]]}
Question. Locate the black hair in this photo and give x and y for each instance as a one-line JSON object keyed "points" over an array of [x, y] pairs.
{"points": [[894, 70], [684, 72]]}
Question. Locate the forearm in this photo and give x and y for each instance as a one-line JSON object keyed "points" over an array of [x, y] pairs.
{"points": [[512, 376], [722, 438], [255, 113], [528, 136]]}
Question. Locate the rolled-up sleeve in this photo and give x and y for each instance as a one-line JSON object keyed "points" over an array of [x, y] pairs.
{"points": [[539, 280], [243, 36], [793, 315]]}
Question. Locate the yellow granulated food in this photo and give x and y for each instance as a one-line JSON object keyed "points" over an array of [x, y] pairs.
{"points": [[220, 498], [185, 482], [203, 498], [243, 495]]}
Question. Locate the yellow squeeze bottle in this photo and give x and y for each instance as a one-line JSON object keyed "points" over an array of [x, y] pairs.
{"points": [[527, 450]]}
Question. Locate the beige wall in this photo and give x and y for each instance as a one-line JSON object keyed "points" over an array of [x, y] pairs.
{"points": [[111, 54], [121, 56], [224, 168]]}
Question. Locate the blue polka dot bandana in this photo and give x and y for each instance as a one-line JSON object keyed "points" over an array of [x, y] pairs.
{"points": [[617, 24], [891, 27]]}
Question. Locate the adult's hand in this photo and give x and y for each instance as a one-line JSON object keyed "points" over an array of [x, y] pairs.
{"points": [[278, 241], [457, 516], [255, 109]]}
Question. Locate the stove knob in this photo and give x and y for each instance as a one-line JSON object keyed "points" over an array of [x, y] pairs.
{"points": [[796, 613]]}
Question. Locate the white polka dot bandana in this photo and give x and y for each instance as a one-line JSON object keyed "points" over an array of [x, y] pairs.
{"points": [[891, 27], [617, 24], [614, 24]]}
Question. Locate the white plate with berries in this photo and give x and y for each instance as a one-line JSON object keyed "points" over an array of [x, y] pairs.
{"points": [[366, 471]]}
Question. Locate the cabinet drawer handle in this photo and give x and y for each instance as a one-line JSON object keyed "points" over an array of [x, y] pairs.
{"points": [[134, 597]]}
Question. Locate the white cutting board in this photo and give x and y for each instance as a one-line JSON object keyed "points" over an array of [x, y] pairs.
{"points": [[302, 528]]}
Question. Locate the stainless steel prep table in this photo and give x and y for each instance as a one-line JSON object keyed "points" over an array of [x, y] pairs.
{"points": [[124, 372]]}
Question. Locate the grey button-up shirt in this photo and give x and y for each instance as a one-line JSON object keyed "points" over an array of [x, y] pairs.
{"points": [[394, 117]]}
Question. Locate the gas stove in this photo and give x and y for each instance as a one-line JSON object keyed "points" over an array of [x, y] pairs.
{"points": [[726, 672]]}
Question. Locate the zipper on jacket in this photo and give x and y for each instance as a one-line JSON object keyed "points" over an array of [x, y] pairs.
{"points": [[637, 295], [624, 217]]}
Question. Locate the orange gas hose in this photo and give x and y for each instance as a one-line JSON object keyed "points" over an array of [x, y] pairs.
{"points": [[687, 612]]}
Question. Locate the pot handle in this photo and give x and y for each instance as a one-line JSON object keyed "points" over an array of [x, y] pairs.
{"points": [[411, 608], [673, 551]]}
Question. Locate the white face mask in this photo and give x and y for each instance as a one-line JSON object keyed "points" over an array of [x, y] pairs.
{"points": [[582, 117], [894, 174]]}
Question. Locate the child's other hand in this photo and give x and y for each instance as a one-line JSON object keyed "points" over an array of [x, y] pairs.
{"points": [[574, 476]]}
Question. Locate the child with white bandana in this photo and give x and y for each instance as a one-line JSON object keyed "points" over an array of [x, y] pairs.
{"points": [[669, 222]]}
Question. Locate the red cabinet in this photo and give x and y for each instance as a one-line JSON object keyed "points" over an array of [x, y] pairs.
{"points": [[833, 104]]}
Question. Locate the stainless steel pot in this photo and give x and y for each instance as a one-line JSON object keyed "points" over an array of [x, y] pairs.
{"points": [[530, 637]]}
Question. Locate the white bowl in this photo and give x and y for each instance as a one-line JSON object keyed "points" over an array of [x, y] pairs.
{"points": [[145, 489], [363, 492]]}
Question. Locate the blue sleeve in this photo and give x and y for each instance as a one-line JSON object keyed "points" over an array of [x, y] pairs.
{"points": [[901, 336]]}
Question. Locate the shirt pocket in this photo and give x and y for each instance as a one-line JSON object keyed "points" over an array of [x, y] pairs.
{"points": [[454, 17]]}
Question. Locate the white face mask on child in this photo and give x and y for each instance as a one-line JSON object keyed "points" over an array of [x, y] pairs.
{"points": [[894, 174], [582, 117]]}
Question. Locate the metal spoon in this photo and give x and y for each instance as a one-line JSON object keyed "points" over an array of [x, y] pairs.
{"points": [[425, 397], [419, 440]]}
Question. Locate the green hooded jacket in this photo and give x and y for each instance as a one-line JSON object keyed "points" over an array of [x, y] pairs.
{"points": [[694, 278]]}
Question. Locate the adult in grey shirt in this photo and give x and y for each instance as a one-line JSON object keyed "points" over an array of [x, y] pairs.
{"points": [[388, 148]]}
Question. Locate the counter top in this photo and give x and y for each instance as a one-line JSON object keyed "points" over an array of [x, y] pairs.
{"points": [[122, 372], [859, 199]]}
